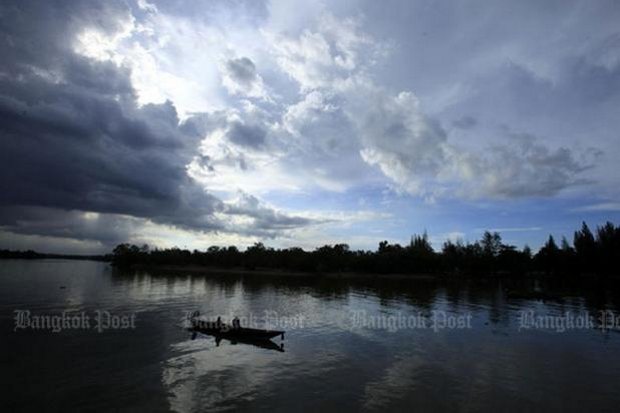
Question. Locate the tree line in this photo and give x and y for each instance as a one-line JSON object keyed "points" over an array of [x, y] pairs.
{"points": [[33, 255], [589, 253]]}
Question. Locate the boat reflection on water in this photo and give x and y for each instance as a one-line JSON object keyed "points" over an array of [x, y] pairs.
{"points": [[260, 343]]}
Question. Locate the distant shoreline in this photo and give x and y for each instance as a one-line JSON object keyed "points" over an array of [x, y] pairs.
{"points": [[208, 270], [214, 271], [343, 275], [44, 256]]}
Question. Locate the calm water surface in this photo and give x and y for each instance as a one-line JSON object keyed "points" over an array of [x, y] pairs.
{"points": [[343, 349]]}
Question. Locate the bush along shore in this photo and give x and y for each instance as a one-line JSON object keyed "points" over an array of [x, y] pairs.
{"points": [[590, 253]]}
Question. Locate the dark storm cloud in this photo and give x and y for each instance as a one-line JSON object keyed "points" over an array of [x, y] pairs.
{"points": [[70, 147], [265, 219], [246, 135], [239, 76], [242, 70], [73, 139], [40, 34], [76, 225]]}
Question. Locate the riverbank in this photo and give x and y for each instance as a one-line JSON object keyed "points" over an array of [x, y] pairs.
{"points": [[271, 272], [352, 275]]}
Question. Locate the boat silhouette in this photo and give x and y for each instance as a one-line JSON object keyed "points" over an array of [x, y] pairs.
{"points": [[235, 334]]}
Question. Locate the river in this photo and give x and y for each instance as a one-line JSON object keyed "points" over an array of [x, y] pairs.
{"points": [[81, 335]]}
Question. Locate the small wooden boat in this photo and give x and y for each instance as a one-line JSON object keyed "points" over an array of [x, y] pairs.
{"points": [[260, 342], [228, 331]]}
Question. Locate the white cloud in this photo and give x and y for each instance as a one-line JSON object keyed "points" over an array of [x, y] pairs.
{"points": [[326, 56], [512, 229], [391, 131], [172, 58], [397, 137], [603, 206], [342, 125], [145, 5], [438, 239], [100, 44]]}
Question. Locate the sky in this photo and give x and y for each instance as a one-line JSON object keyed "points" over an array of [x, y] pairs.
{"points": [[198, 123]]}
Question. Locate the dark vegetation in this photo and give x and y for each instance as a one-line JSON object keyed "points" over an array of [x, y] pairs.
{"points": [[33, 255], [589, 253]]}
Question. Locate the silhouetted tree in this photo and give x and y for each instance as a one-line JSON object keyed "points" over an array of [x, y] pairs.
{"points": [[585, 246], [608, 248], [590, 254], [547, 257]]}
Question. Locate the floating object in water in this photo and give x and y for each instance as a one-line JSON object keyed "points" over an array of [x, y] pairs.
{"points": [[230, 332]]}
